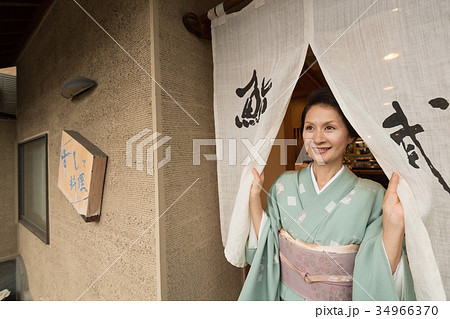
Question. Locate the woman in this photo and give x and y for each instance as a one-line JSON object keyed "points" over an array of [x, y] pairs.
{"points": [[327, 234]]}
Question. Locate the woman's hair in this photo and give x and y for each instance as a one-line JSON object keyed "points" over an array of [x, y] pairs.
{"points": [[325, 96]]}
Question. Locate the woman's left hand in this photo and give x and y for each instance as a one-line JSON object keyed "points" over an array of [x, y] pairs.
{"points": [[393, 223], [393, 215]]}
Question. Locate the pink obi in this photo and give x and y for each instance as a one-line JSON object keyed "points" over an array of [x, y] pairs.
{"points": [[317, 272]]}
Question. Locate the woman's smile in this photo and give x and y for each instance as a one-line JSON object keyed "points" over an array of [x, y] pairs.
{"points": [[320, 150]]}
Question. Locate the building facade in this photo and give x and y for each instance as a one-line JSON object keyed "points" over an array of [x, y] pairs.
{"points": [[158, 237]]}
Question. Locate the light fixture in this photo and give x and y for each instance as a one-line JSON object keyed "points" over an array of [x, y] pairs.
{"points": [[76, 86], [391, 56], [394, 10], [388, 88]]}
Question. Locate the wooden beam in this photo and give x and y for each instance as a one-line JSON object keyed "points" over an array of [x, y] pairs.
{"points": [[13, 27], [10, 20], [12, 13], [11, 32], [9, 44], [200, 25], [7, 52], [20, 4], [34, 24]]}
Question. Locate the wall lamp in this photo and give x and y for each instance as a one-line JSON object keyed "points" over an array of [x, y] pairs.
{"points": [[76, 86]]}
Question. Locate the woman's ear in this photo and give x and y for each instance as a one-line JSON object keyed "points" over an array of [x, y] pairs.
{"points": [[350, 140]]}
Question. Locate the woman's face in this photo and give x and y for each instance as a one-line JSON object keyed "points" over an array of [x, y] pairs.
{"points": [[325, 135]]}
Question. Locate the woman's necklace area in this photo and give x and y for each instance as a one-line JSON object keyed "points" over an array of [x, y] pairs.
{"points": [[322, 186]]}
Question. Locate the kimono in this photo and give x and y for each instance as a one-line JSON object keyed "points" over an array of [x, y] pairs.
{"points": [[347, 211]]}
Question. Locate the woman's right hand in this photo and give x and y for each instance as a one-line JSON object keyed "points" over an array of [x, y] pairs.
{"points": [[255, 206], [258, 181]]}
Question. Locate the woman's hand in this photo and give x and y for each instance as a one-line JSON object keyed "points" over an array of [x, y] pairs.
{"points": [[392, 207], [393, 223], [258, 180], [255, 199]]}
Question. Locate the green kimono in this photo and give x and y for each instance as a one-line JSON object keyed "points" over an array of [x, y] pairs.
{"points": [[348, 211]]}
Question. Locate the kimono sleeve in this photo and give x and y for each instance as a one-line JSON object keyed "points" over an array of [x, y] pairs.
{"points": [[262, 282], [252, 243], [372, 276]]}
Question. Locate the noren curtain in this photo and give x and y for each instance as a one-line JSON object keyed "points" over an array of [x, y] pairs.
{"points": [[386, 61], [258, 54]]}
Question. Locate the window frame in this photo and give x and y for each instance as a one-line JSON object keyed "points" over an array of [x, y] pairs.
{"points": [[22, 219]]}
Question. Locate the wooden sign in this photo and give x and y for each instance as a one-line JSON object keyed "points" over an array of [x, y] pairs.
{"points": [[82, 168]]}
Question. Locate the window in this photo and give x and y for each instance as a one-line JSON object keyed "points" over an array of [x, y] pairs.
{"points": [[33, 186]]}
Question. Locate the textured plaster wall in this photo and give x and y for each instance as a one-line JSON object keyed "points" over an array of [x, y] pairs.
{"points": [[187, 238], [193, 263], [70, 44], [8, 227]]}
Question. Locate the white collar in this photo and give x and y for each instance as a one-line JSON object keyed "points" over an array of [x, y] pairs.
{"points": [[318, 191]]}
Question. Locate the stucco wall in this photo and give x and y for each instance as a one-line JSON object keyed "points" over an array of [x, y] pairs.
{"points": [[70, 44], [180, 257], [192, 258], [8, 233]]}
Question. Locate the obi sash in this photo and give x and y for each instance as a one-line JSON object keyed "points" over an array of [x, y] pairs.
{"points": [[317, 272]]}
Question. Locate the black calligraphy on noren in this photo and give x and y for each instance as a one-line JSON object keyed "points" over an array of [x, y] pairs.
{"points": [[256, 102], [439, 103], [406, 130]]}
